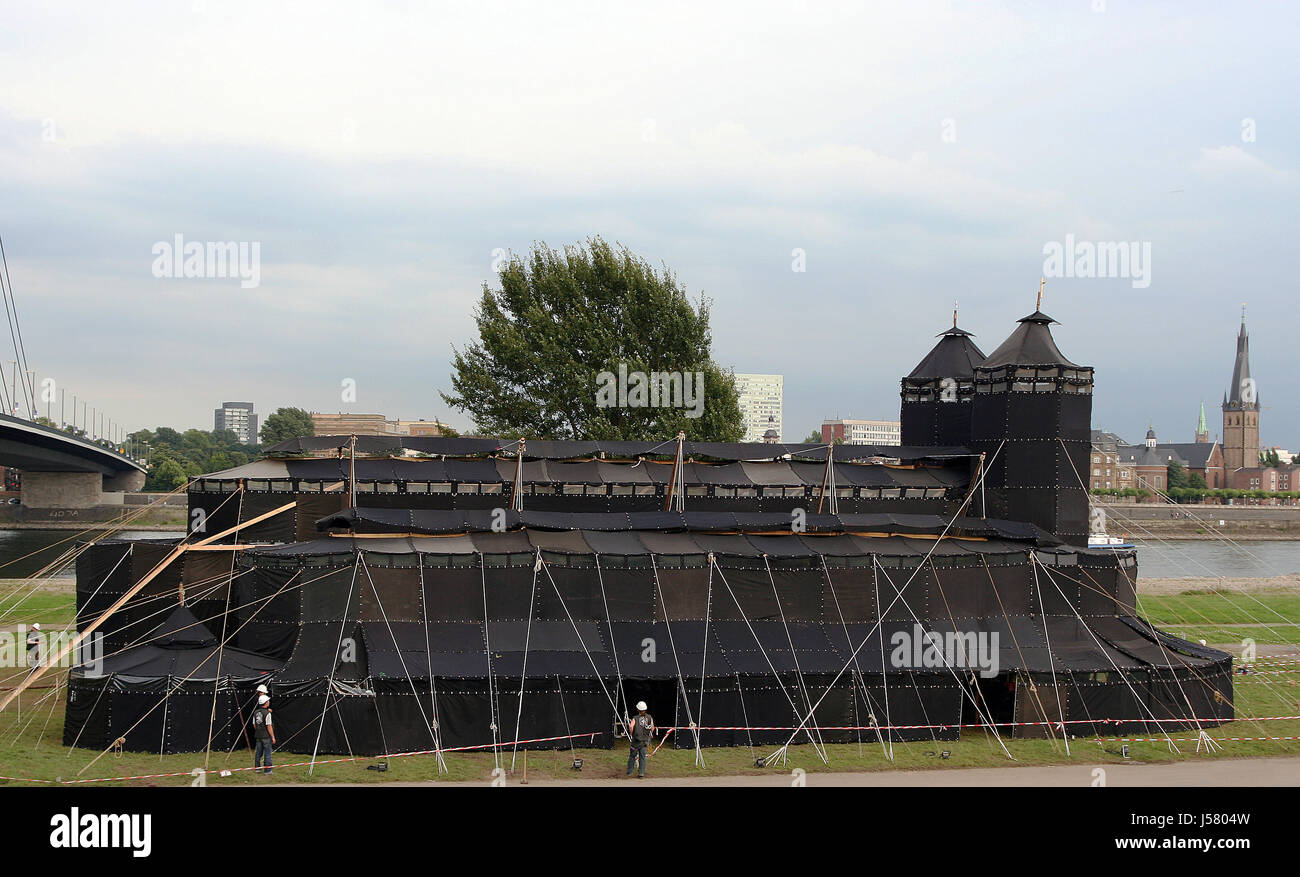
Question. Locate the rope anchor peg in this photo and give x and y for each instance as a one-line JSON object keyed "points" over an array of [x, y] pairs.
{"points": [[1208, 742]]}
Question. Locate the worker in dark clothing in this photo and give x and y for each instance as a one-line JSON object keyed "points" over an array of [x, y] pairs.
{"points": [[34, 647], [264, 732], [640, 731]]}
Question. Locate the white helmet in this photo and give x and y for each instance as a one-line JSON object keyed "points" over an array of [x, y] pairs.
{"points": [[641, 707], [261, 689], [263, 700], [36, 625]]}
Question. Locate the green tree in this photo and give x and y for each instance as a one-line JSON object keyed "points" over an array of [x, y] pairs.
{"points": [[1196, 479], [165, 476], [1269, 458], [813, 438], [559, 329], [284, 424], [1177, 474]]}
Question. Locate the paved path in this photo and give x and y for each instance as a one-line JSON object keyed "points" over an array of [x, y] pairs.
{"points": [[1220, 772]]}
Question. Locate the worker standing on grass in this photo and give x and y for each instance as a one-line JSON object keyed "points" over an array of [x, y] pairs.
{"points": [[264, 732], [640, 731], [34, 646]]}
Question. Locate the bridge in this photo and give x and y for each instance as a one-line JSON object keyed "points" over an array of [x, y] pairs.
{"points": [[61, 470]]}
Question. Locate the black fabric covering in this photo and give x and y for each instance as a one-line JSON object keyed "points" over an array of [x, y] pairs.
{"points": [[373, 632]]}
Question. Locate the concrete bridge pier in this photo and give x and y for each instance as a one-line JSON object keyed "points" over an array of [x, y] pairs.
{"points": [[63, 490]]}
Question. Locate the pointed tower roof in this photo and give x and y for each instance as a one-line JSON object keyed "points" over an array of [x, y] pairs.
{"points": [[1201, 427], [1241, 370], [1031, 343], [955, 356]]}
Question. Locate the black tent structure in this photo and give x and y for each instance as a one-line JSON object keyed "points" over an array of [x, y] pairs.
{"points": [[424, 594], [174, 691]]}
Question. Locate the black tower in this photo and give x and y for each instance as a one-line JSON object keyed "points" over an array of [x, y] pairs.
{"points": [[1033, 410], [937, 395]]}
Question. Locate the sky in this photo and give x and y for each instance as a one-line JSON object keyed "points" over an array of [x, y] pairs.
{"points": [[905, 156]]}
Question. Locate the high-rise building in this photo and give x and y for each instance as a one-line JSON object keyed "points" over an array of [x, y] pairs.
{"points": [[238, 417], [1241, 410], [760, 399]]}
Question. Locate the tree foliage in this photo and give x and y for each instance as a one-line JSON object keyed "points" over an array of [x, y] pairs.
{"points": [[1177, 474], [175, 456], [560, 320], [284, 424]]}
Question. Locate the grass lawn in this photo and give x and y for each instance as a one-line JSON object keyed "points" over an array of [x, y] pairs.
{"points": [[32, 748], [1269, 618]]}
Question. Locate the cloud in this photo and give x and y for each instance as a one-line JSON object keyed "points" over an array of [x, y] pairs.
{"points": [[1228, 162]]}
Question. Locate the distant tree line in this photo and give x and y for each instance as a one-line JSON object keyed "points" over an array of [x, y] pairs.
{"points": [[175, 457]]}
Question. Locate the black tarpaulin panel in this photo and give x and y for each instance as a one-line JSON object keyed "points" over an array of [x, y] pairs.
{"points": [[1058, 588], [623, 473], [281, 527], [963, 592], [906, 594], [510, 592], [1133, 643], [729, 545], [569, 593], [744, 593], [145, 558], [324, 592], [683, 594], [723, 474], [614, 543], [390, 594], [800, 592], [669, 543], [586, 472], [314, 654], [502, 543], [474, 471], [453, 594], [771, 474], [566, 541], [266, 620], [646, 651], [445, 545], [1099, 591], [849, 595], [510, 665], [779, 546], [1075, 647], [86, 719], [629, 593], [831, 546], [104, 574]]}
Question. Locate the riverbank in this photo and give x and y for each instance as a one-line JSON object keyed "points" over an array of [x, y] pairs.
{"points": [[1242, 523]]}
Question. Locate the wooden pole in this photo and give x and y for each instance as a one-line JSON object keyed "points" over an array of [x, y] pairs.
{"points": [[131, 592]]}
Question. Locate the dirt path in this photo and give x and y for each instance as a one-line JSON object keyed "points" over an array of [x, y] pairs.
{"points": [[1226, 585]]}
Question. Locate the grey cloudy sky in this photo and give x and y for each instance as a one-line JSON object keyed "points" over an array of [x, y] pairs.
{"points": [[917, 153]]}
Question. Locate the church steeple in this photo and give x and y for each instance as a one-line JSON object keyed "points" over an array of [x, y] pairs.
{"points": [[1241, 409], [1202, 428], [1242, 394]]}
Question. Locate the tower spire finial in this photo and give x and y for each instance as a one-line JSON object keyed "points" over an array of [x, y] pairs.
{"points": [[1042, 283], [954, 315], [1243, 313]]}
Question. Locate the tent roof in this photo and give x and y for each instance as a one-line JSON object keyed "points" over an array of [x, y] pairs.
{"points": [[1030, 344]]}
